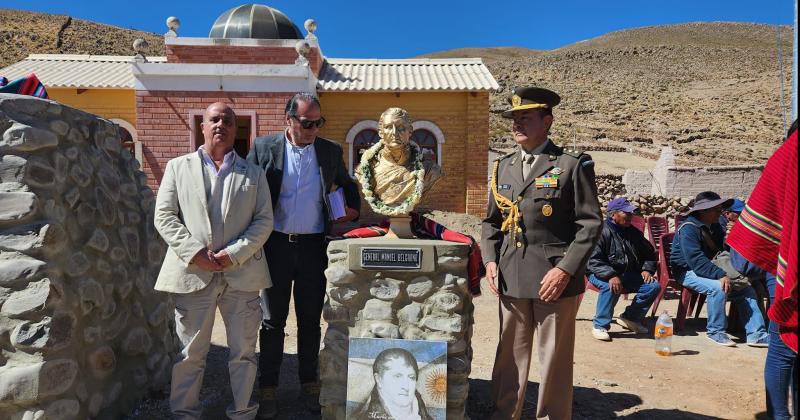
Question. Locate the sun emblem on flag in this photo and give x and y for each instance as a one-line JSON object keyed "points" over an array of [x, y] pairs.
{"points": [[436, 385], [516, 101]]}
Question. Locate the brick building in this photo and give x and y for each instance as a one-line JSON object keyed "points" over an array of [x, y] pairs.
{"points": [[256, 66]]}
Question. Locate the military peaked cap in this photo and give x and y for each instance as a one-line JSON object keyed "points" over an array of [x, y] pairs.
{"points": [[531, 98]]}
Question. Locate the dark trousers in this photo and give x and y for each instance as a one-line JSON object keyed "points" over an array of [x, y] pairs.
{"points": [[303, 263]]}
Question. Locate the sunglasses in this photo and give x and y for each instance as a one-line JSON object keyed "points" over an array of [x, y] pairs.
{"points": [[307, 124]]}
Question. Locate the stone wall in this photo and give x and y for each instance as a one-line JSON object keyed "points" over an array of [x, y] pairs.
{"points": [[432, 303], [669, 180], [82, 333], [731, 181]]}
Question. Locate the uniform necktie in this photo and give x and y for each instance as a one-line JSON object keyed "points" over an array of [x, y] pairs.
{"points": [[527, 165]]}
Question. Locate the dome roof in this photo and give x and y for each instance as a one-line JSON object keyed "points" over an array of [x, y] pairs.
{"points": [[254, 21]]}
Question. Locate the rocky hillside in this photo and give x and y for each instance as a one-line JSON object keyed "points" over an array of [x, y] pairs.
{"points": [[712, 90], [23, 33]]}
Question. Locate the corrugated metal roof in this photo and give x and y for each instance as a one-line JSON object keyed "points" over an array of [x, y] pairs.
{"points": [[373, 75], [77, 71], [338, 75]]}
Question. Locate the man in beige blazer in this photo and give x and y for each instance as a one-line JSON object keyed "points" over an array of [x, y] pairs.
{"points": [[214, 211]]}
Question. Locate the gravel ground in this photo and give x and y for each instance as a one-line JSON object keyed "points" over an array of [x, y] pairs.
{"points": [[623, 378]]}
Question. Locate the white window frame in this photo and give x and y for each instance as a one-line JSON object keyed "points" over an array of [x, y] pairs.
{"points": [[239, 113], [137, 147], [437, 132], [351, 137]]}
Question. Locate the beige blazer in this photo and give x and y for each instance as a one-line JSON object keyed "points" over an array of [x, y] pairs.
{"points": [[181, 217]]}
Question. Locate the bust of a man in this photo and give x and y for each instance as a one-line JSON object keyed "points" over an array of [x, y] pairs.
{"points": [[393, 173]]}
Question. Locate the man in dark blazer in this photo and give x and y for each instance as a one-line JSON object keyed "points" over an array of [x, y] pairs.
{"points": [[542, 224], [302, 170]]}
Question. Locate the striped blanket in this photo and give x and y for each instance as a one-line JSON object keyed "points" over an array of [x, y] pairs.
{"points": [[28, 85]]}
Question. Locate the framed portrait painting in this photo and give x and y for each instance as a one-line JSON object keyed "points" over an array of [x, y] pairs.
{"points": [[393, 379]]}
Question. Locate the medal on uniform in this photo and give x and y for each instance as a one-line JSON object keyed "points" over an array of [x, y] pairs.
{"points": [[547, 210]]}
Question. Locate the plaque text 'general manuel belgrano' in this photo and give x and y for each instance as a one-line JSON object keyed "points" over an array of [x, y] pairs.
{"points": [[390, 257]]}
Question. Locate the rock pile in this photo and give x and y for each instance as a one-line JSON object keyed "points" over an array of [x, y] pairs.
{"points": [[611, 186], [82, 332]]}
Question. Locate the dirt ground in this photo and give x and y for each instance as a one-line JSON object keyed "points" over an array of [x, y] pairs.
{"points": [[623, 378]]}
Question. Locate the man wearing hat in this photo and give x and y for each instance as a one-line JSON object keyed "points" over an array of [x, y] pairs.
{"points": [[698, 240], [623, 261], [731, 214], [542, 224]]}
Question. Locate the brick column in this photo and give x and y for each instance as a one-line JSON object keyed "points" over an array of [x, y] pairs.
{"points": [[477, 152]]}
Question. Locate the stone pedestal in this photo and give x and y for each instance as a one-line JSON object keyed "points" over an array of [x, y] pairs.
{"points": [[400, 228], [431, 302]]}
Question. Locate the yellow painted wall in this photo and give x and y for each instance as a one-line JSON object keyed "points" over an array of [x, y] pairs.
{"points": [[447, 110], [106, 103]]}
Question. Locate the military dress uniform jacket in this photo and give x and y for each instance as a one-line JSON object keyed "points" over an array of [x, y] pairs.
{"points": [[559, 224]]}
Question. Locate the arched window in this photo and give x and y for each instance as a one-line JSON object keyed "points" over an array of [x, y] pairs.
{"points": [[430, 138], [363, 141], [127, 136], [427, 142]]}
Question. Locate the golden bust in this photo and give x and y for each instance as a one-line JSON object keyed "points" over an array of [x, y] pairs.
{"points": [[393, 173]]}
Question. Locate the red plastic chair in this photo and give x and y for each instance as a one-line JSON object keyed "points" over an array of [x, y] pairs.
{"points": [[638, 222], [664, 275], [590, 286], [657, 226]]}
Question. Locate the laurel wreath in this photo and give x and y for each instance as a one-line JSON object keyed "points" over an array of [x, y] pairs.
{"points": [[366, 176]]}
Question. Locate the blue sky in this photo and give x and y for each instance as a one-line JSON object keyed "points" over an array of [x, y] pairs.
{"points": [[400, 29]]}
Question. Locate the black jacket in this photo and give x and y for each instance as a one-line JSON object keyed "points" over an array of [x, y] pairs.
{"points": [[621, 250], [268, 152]]}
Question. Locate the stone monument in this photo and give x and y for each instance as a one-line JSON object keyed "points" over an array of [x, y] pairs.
{"points": [[390, 287], [82, 332]]}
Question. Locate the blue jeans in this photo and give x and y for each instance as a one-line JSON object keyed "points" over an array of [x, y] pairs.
{"points": [[780, 369], [770, 280], [746, 300], [646, 293]]}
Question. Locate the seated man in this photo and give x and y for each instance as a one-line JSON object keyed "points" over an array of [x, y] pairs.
{"points": [[731, 214], [696, 243], [622, 259]]}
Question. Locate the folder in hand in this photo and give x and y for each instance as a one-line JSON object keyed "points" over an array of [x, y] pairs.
{"points": [[336, 206]]}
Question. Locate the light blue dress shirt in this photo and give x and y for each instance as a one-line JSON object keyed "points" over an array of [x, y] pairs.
{"points": [[299, 208], [217, 183]]}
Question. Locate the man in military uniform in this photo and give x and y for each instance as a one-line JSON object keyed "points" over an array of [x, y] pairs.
{"points": [[542, 224]]}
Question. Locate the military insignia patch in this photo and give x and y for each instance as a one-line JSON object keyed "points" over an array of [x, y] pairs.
{"points": [[516, 101], [504, 187], [556, 171]]}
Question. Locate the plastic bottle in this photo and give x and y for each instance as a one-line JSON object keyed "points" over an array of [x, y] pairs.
{"points": [[663, 335]]}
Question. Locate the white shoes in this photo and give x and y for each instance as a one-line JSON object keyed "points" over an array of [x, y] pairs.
{"points": [[631, 325], [600, 334]]}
